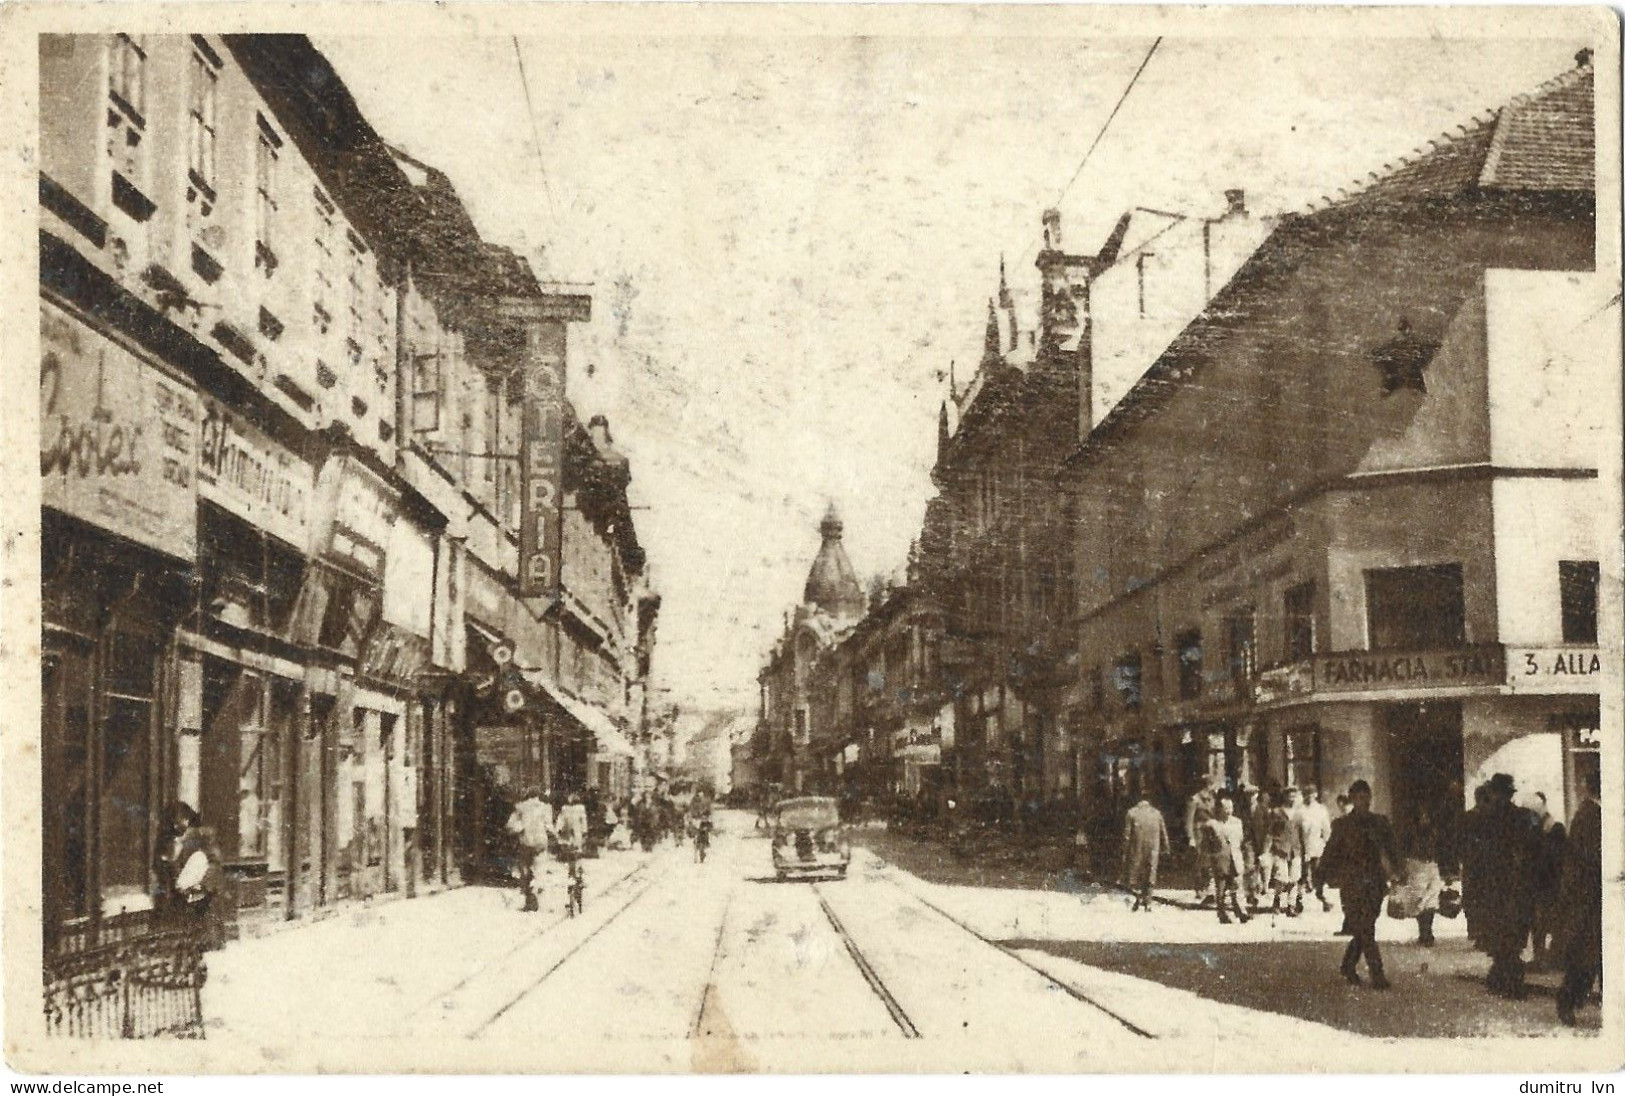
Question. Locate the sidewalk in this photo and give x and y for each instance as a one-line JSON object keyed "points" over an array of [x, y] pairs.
{"points": [[396, 957], [1283, 965]]}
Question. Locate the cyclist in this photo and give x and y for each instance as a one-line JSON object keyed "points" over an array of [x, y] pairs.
{"points": [[702, 835], [571, 828]]}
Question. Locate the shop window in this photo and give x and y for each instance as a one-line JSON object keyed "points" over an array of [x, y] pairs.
{"points": [[65, 692], [1298, 613], [1189, 647], [1302, 747], [1577, 590], [1415, 608], [1241, 644], [1126, 680]]}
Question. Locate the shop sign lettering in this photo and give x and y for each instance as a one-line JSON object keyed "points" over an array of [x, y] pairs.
{"points": [[118, 438], [541, 459], [1376, 670], [244, 472], [1554, 669]]}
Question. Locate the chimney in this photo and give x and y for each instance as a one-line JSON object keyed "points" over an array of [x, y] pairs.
{"points": [[1236, 201], [1052, 230], [1583, 58]]}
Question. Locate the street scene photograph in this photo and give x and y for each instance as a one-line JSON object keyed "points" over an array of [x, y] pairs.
{"points": [[814, 539]]}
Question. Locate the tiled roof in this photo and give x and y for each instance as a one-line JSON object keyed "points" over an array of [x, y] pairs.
{"points": [[1542, 141]]}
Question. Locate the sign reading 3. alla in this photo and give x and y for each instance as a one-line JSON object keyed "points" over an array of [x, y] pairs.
{"points": [[541, 457], [243, 471], [1554, 669], [118, 438]]}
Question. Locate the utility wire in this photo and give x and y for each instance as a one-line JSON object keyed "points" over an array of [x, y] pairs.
{"points": [[1106, 125], [535, 133]]}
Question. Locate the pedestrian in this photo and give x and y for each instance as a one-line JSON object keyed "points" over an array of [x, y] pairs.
{"points": [[1418, 892], [1578, 931], [1251, 809], [1314, 827], [1198, 810], [531, 824], [1548, 877], [1469, 842], [1282, 855], [1145, 841], [1222, 840], [1359, 861], [191, 876], [1503, 899]]}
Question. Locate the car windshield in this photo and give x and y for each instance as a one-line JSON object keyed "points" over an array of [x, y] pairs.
{"points": [[808, 814]]}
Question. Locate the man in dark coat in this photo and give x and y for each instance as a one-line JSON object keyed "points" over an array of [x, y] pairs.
{"points": [[1145, 842], [1579, 903], [1548, 878], [1361, 860], [1503, 896]]}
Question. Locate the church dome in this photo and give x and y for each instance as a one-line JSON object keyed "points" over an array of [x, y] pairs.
{"points": [[832, 585]]}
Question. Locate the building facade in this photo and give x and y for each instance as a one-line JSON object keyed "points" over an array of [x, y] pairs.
{"points": [[1342, 525], [781, 751], [281, 385]]}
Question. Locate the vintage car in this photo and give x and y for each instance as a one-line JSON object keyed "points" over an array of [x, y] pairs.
{"points": [[808, 839]]}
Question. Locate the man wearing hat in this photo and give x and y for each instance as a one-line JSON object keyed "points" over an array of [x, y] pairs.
{"points": [[1361, 860], [1502, 892]]}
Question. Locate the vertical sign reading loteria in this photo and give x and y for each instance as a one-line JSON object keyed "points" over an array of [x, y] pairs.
{"points": [[541, 456]]}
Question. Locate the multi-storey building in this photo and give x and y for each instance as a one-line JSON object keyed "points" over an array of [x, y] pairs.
{"points": [[832, 602], [1343, 523], [281, 383], [881, 710]]}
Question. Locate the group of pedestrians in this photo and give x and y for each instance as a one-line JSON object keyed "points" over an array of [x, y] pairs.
{"points": [[540, 832], [1522, 877], [1251, 849], [1529, 881]]}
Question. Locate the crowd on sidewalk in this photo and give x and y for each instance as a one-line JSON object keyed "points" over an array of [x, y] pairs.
{"points": [[1522, 879]]}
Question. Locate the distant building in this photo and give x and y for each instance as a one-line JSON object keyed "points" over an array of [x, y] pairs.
{"points": [[832, 602]]}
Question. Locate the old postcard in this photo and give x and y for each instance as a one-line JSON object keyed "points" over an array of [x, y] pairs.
{"points": [[790, 539]]}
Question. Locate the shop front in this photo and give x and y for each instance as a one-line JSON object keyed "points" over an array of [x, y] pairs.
{"points": [[118, 455]]}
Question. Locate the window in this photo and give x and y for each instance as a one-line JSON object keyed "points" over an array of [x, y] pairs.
{"points": [[1577, 589], [1299, 614], [200, 125], [326, 226], [1415, 608], [127, 76], [126, 125], [1189, 648], [357, 287], [265, 198], [1126, 680], [1303, 756], [1241, 644]]}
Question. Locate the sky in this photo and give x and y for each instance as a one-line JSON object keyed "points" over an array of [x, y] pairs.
{"points": [[790, 238]]}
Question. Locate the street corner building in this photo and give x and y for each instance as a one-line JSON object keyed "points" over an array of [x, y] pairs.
{"points": [[327, 554], [1289, 499]]}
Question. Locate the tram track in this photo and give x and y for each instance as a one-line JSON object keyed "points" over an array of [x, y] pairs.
{"points": [[876, 984], [1070, 990], [528, 941], [558, 963]]}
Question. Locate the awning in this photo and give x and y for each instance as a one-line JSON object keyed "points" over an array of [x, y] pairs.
{"points": [[609, 738]]}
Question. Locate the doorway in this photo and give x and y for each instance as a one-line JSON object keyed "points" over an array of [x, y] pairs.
{"points": [[1425, 751]]}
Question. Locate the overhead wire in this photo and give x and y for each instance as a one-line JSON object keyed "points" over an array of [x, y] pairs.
{"points": [[535, 132]]}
